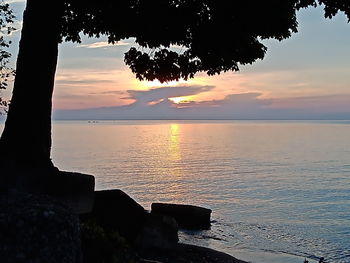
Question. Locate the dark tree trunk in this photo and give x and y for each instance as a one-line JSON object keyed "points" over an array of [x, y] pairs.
{"points": [[26, 140]]}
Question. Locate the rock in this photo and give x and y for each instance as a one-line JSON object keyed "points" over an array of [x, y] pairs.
{"points": [[99, 245], [187, 216], [76, 190], [159, 232], [184, 253], [37, 228], [115, 210]]}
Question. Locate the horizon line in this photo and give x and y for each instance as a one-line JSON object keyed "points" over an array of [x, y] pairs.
{"points": [[201, 119]]}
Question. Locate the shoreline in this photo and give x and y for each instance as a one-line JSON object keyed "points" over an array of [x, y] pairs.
{"points": [[252, 255], [178, 252], [186, 253]]}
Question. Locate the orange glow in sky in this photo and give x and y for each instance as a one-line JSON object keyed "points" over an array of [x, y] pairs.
{"points": [[157, 83]]}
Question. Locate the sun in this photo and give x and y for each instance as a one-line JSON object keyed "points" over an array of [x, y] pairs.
{"points": [[183, 99]]}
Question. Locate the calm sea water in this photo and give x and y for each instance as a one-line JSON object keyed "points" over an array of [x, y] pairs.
{"points": [[279, 191]]}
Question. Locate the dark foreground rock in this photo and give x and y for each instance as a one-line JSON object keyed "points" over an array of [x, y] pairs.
{"points": [[114, 210], [76, 190], [37, 228], [159, 231], [187, 216], [99, 245], [183, 253]]}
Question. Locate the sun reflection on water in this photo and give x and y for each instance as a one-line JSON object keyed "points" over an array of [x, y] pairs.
{"points": [[176, 189], [174, 147]]}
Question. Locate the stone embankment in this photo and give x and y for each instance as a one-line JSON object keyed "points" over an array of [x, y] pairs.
{"points": [[41, 228]]}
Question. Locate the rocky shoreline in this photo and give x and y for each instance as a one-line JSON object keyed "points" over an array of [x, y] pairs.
{"points": [[185, 253], [38, 228]]}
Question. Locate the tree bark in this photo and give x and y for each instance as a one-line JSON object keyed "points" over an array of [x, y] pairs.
{"points": [[26, 140]]}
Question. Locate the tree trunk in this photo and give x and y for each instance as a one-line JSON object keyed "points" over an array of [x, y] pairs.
{"points": [[26, 140]]}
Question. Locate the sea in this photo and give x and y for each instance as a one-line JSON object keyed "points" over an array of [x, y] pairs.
{"points": [[279, 190]]}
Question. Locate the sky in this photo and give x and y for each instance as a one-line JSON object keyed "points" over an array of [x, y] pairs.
{"points": [[304, 77]]}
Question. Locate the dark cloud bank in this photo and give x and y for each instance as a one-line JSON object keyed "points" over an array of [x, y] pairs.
{"points": [[154, 104]]}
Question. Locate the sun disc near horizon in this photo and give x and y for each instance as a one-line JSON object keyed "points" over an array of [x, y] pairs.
{"points": [[182, 99]]}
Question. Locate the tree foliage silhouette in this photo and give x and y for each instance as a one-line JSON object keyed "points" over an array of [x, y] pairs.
{"points": [[6, 20], [214, 36]]}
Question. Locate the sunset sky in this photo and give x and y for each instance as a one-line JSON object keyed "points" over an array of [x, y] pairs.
{"points": [[306, 76]]}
